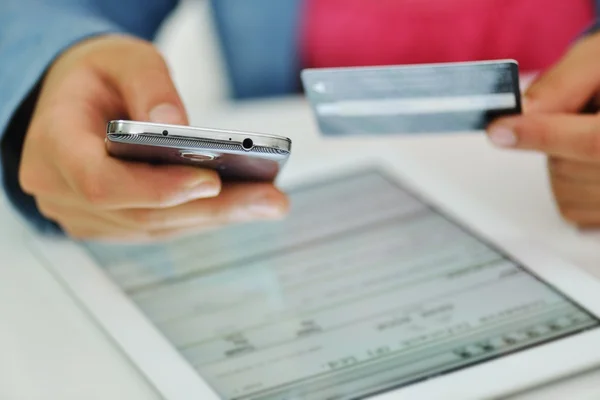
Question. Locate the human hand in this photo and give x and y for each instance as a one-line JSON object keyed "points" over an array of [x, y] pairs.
{"points": [[91, 195], [553, 124]]}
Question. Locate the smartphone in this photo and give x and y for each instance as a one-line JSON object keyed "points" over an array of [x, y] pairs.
{"points": [[235, 155]]}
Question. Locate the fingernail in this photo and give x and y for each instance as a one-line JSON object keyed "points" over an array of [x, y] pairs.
{"points": [[166, 114], [502, 137]]}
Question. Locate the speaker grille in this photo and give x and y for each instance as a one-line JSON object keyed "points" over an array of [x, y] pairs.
{"points": [[176, 142]]}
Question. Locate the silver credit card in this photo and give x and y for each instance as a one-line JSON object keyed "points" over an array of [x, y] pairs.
{"points": [[426, 98]]}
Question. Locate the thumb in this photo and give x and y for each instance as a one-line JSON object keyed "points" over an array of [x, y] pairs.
{"points": [[141, 76], [570, 84]]}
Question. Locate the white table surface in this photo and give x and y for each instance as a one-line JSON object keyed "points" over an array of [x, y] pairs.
{"points": [[51, 349]]}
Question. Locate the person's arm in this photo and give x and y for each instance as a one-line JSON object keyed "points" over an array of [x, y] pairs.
{"points": [[32, 34], [55, 155]]}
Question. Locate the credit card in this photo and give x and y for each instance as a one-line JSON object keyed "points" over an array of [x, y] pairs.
{"points": [[425, 98]]}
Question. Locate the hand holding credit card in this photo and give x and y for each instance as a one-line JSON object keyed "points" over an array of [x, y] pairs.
{"points": [[426, 98]]}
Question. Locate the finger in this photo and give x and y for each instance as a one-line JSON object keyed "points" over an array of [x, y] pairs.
{"points": [[238, 203], [241, 202], [582, 217], [574, 137], [150, 237], [104, 182], [88, 233], [75, 221], [582, 214], [83, 225], [97, 179], [162, 235], [575, 194], [86, 175], [570, 84], [143, 80], [112, 184], [575, 171]]}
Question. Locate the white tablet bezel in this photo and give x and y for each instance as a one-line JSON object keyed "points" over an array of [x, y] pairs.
{"points": [[175, 379]]}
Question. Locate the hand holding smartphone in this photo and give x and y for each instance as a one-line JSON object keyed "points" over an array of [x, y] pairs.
{"points": [[235, 155]]}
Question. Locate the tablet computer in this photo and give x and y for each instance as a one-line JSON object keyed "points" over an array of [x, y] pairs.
{"points": [[366, 291]]}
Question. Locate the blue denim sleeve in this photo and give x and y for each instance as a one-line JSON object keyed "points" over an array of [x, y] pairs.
{"points": [[32, 34], [260, 45]]}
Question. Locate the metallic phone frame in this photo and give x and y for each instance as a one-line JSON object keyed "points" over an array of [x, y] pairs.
{"points": [[251, 156]]}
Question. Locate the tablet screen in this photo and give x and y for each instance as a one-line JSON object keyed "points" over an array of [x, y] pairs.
{"points": [[364, 288]]}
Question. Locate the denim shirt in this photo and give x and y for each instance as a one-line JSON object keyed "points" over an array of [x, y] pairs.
{"points": [[257, 37]]}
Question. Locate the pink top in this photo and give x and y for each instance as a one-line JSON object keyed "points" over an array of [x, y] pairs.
{"points": [[384, 32]]}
